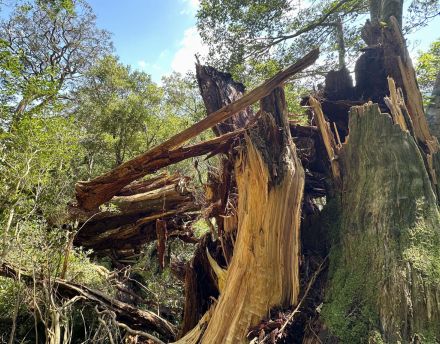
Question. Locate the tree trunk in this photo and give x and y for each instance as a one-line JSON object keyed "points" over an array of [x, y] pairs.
{"points": [[264, 271], [382, 10], [392, 8], [385, 239], [385, 257], [339, 28]]}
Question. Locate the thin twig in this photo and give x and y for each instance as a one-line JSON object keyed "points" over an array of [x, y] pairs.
{"points": [[296, 310], [127, 328]]}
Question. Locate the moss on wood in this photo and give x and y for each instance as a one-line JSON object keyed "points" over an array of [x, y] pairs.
{"points": [[385, 258]]}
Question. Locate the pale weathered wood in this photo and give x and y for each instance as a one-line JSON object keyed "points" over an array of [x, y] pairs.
{"points": [[91, 194], [399, 66], [395, 102], [264, 270], [327, 137]]}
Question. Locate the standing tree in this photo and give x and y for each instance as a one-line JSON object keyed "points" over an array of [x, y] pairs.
{"points": [[242, 34], [428, 72], [46, 48]]}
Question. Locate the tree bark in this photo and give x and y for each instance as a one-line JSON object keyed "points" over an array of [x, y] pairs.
{"points": [[385, 259], [218, 90], [384, 234], [130, 221]]}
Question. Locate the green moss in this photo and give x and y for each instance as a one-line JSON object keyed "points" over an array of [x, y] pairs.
{"points": [[422, 244], [349, 311], [428, 336], [375, 338]]}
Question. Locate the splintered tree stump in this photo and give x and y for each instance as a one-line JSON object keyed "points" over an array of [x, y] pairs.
{"points": [[385, 272], [264, 271], [218, 89]]}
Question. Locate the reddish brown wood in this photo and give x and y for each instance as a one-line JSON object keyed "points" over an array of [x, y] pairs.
{"points": [[162, 235]]}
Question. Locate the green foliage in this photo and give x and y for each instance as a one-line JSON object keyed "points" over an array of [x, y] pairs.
{"points": [[200, 228], [8, 297], [239, 32], [45, 48], [428, 68], [115, 107], [37, 162], [122, 113], [182, 97], [162, 288]]}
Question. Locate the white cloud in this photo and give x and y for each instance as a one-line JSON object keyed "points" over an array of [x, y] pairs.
{"points": [[142, 64], [190, 45], [191, 7]]}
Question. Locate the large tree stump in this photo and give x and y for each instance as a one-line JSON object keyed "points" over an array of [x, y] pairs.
{"points": [[385, 260]]}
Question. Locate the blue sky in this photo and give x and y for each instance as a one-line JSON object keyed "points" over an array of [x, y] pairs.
{"points": [[159, 36], [156, 36]]}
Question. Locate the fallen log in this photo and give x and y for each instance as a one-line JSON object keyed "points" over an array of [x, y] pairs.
{"points": [[129, 221], [135, 319], [95, 192], [142, 186]]}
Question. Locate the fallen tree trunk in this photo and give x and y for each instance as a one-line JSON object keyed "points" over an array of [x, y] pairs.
{"points": [[130, 221], [134, 318], [264, 271], [95, 192]]}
